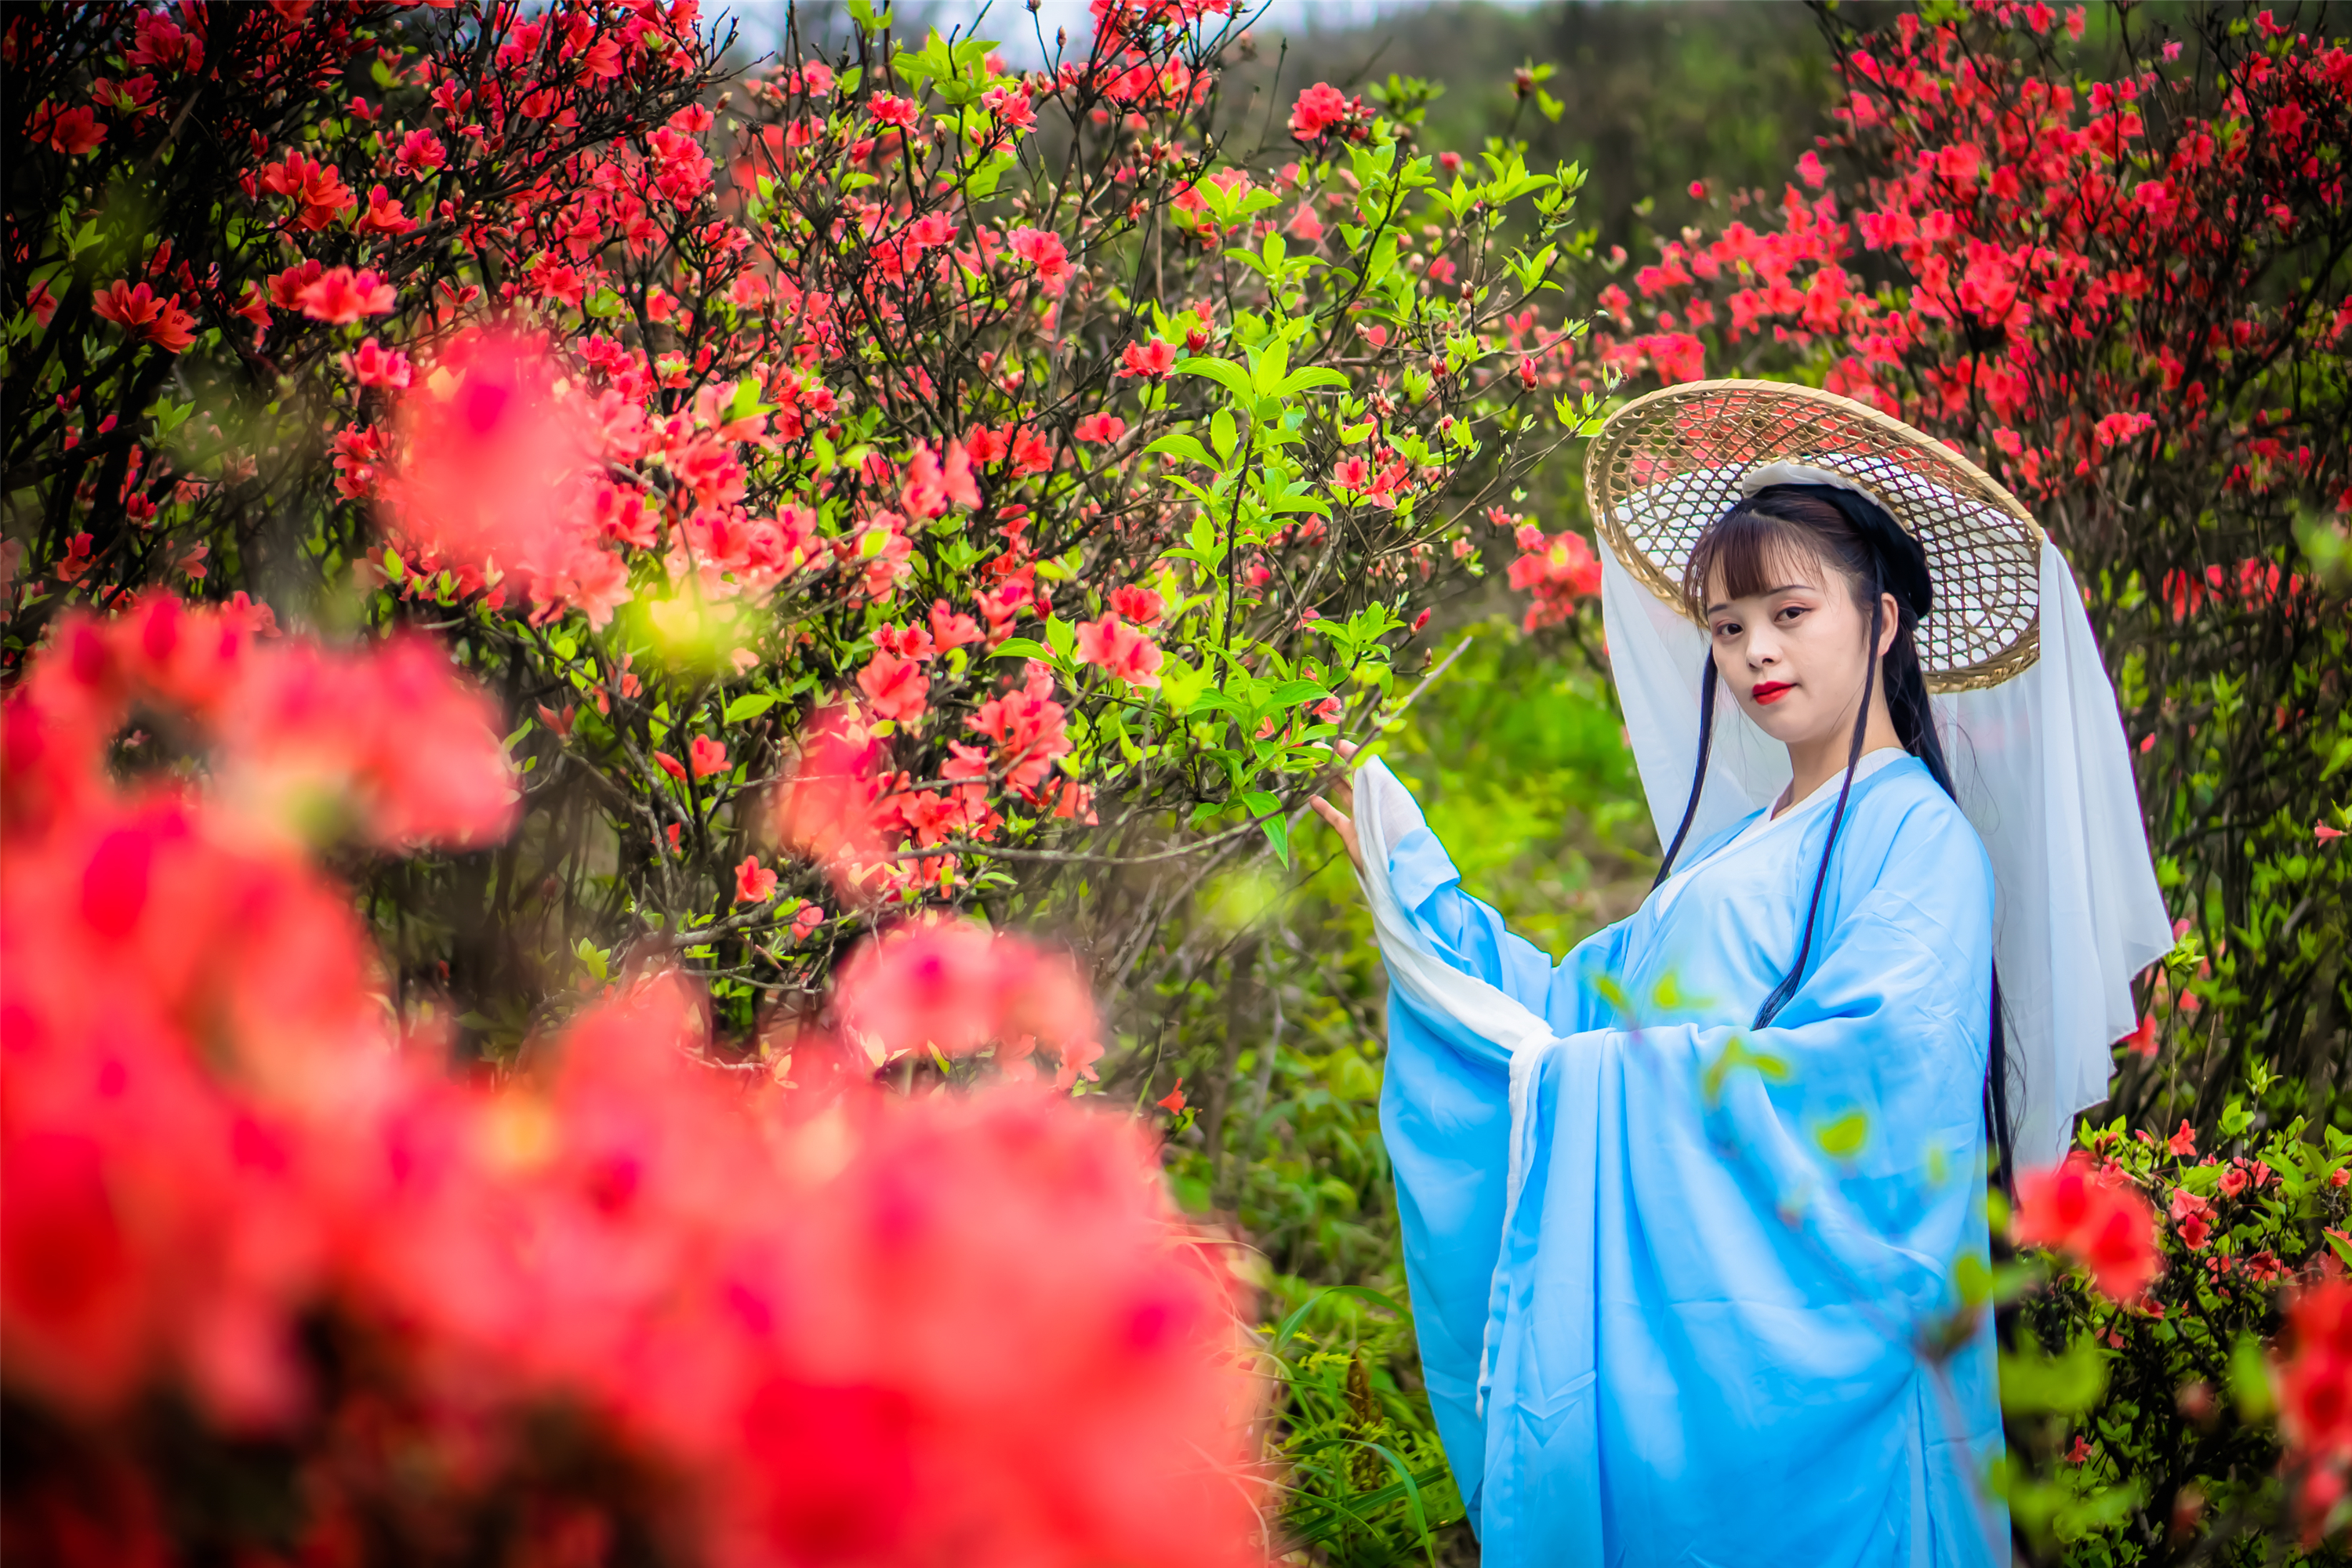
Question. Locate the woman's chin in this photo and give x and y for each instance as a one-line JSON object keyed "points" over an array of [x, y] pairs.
{"points": [[1785, 721]]}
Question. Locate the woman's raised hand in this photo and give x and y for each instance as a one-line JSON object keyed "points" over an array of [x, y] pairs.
{"points": [[1344, 791]]}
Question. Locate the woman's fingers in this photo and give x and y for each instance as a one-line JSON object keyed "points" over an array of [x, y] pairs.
{"points": [[1343, 787], [1341, 824]]}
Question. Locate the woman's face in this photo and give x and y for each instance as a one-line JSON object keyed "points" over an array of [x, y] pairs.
{"points": [[1793, 655]]}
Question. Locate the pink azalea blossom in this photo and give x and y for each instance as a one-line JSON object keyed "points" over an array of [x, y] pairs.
{"points": [[1120, 649], [754, 883]]}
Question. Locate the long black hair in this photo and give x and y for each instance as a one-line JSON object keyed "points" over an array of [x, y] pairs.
{"points": [[1849, 531]]}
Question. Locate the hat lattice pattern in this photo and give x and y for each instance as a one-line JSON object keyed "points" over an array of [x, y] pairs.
{"points": [[1668, 464]]}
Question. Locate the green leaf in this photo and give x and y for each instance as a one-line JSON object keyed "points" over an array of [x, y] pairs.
{"points": [[1268, 811], [1291, 693], [1314, 376], [2249, 1379], [750, 705], [1843, 1138], [1061, 635], [2034, 1383], [982, 183], [1214, 700], [1180, 684], [1289, 1325], [1270, 364], [745, 403], [169, 416], [1223, 372], [1184, 447], [1224, 433], [1020, 648]]}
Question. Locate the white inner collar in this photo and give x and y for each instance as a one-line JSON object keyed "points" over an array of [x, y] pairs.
{"points": [[1764, 822], [1868, 763]]}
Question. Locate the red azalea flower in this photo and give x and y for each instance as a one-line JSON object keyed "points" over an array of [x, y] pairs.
{"points": [[137, 310], [74, 131], [1044, 251], [1138, 605], [2104, 1224], [895, 688], [1153, 360], [754, 884], [1318, 109], [341, 295], [1120, 649]]}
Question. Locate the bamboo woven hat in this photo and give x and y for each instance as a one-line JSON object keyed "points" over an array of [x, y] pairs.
{"points": [[1668, 464]]}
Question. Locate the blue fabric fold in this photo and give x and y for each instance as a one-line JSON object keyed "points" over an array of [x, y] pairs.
{"points": [[1701, 1335]]}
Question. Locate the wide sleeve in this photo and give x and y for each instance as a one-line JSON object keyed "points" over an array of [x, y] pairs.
{"points": [[1466, 1000], [1467, 934]]}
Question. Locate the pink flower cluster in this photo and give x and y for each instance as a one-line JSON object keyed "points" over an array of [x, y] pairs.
{"points": [[1323, 109], [1557, 569], [825, 1323], [2315, 1389], [2090, 1211]]}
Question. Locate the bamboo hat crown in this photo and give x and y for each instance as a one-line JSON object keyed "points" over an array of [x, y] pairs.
{"points": [[1667, 465]]}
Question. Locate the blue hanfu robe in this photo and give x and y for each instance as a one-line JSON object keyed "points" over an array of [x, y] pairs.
{"points": [[1683, 1306]]}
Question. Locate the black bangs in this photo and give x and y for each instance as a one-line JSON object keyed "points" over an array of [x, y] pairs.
{"points": [[1767, 542]]}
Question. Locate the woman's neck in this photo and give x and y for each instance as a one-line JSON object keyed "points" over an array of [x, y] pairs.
{"points": [[1813, 764]]}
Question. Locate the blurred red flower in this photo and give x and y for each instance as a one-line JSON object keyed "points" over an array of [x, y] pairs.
{"points": [[2093, 1216]]}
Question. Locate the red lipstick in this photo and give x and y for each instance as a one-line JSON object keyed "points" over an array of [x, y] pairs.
{"points": [[1771, 690]]}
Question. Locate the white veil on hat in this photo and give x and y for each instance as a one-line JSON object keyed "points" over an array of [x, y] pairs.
{"points": [[2022, 704]]}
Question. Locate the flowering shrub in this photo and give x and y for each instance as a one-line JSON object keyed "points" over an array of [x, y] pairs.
{"points": [[2102, 251], [2150, 1426], [626, 1301], [856, 504], [729, 537]]}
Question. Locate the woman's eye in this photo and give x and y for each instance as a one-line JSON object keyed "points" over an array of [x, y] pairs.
{"points": [[1791, 612]]}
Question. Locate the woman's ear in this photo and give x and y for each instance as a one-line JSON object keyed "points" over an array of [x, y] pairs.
{"points": [[1890, 623]]}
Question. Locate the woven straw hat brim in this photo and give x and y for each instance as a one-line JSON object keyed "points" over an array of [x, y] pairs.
{"points": [[1668, 464]]}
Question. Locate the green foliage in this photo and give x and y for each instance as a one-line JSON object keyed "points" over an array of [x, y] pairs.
{"points": [[1368, 1481], [1267, 1005]]}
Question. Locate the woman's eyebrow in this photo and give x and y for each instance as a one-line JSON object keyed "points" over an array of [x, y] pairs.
{"points": [[1783, 589]]}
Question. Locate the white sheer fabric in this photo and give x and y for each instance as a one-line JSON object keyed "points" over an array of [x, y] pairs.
{"points": [[2043, 770], [1385, 811]]}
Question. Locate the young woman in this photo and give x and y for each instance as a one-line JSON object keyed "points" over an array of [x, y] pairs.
{"points": [[1682, 1212]]}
